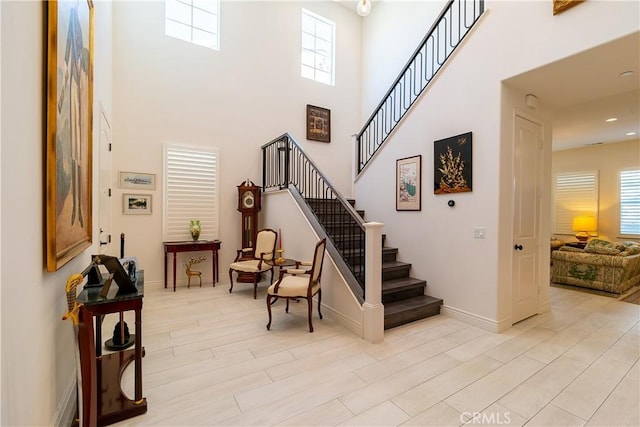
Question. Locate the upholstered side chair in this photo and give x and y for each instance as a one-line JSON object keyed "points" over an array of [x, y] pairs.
{"points": [[255, 261], [299, 283]]}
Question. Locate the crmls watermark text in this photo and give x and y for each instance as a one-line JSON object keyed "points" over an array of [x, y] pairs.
{"points": [[495, 418]]}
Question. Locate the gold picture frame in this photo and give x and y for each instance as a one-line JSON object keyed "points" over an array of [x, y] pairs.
{"points": [[69, 151], [318, 124], [562, 5], [409, 183]]}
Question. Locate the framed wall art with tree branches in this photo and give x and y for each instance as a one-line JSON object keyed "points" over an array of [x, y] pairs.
{"points": [[452, 164]]}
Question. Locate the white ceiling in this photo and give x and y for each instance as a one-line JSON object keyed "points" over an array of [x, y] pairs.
{"points": [[586, 89]]}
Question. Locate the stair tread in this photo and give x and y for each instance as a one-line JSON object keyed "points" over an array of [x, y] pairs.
{"points": [[410, 304], [393, 285], [394, 264]]}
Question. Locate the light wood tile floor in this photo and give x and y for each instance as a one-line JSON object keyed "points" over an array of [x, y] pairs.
{"points": [[210, 361]]}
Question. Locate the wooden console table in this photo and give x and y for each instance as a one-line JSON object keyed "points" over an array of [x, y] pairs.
{"points": [[113, 404], [191, 246]]}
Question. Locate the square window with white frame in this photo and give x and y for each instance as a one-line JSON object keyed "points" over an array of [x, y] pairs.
{"points": [[318, 48], [194, 21]]}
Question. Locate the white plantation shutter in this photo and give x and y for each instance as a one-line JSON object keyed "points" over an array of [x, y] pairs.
{"points": [[630, 202], [575, 193], [190, 192]]}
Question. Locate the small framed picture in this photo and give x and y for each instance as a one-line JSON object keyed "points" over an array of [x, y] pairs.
{"points": [[408, 183], [318, 124], [136, 204], [137, 180]]}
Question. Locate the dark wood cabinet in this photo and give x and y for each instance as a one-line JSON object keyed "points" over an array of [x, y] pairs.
{"points": [[112, 404]]}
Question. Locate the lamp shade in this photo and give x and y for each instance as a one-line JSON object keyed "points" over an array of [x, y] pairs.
{"points": [[364, 7], [584, 223]]}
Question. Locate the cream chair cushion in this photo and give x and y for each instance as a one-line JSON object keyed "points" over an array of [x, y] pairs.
{"points": [[293, 286], [265, 243], [250, 266]]}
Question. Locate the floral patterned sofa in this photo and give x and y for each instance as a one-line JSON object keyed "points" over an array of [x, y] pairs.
{"points": [[601, 265]]}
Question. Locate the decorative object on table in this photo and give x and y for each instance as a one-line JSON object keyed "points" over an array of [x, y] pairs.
{"points": [[193, 273], [562, 5], [291, 286], [409, 183], [583, 225], [249, 205], [318, 124], [250, 263], [194, 229], [452, 164], [279, 252], [69, 130], [139, 181], [121, 337], [136, 204]]}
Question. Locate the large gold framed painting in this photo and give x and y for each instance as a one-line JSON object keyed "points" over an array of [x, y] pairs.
{"points": [[69, 130]]}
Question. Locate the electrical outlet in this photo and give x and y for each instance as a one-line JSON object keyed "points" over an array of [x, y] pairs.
{"points": [[478, 232]]}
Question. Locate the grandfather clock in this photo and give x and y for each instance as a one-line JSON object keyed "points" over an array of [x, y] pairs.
{"points": [[249, 206]]}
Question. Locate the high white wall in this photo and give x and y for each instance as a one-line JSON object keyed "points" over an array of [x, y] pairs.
{"points": [[390, 34], [608, 160], [236, 99], [38, 362], [468, 95]]}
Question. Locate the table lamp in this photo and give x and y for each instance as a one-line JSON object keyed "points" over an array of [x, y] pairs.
{"points": [[582, 225]]}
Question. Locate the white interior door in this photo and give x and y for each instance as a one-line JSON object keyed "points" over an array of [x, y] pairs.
{"points": [[104, 202], [527, 161]]}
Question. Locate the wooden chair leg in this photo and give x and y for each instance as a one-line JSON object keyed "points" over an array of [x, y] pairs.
{"points": [[269, 310], [286, 310], [200, 278], [231, 280], [310, 306], [255, 285], [319, 300]]}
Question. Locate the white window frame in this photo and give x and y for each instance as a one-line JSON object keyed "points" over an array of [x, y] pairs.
{"points": [[629, 206], [310, 58], [194, 21], [574, 194], [190, 191]]}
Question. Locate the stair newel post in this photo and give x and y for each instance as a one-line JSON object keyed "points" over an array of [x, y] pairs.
{"points": [[373, 319]]}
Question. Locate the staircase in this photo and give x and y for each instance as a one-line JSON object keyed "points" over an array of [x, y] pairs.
{"points": [[402, 295]]}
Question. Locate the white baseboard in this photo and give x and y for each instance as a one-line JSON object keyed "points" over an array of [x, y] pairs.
{"points": [[350, 324], [68, 405], [476, 320]]}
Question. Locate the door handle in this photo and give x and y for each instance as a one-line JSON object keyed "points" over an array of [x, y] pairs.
{"points": [[103, 243], [518, 247]]}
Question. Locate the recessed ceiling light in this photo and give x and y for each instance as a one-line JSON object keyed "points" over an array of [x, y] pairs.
{"points": [[611, 119], [630, 133], [626, 74]]}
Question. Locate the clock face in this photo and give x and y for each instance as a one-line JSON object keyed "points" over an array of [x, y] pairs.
{"points": [[247, 199]]}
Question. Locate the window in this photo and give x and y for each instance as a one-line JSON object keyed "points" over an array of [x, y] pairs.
{"points": [[190, 191], [318, 42], [575, 193], [630, 202], [195, 21]]}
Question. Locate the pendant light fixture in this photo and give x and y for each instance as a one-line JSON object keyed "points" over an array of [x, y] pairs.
{"points": [[364, 7]]}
